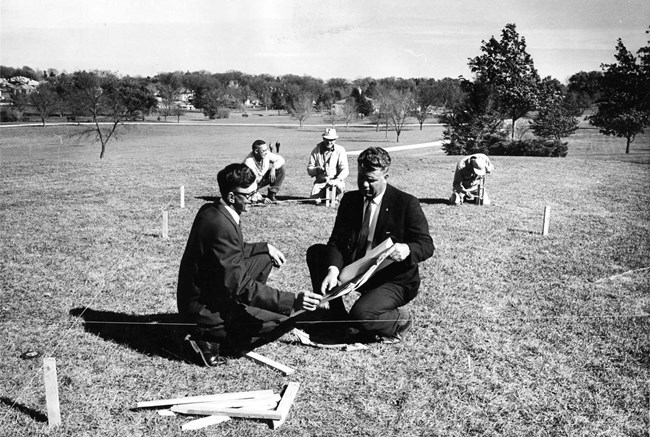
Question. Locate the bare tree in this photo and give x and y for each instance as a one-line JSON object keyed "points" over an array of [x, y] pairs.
{"points": [[301, 106], [109, 101], [349, 110], [399, 105], [45, 100], [335, 114]]}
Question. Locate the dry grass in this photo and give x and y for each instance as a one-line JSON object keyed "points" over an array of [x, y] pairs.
{"points": [[515, 333]]}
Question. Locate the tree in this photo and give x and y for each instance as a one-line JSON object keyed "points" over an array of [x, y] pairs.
{"points": [[300, 106], [109, 101], [424, 99], [554, 118], [584, 90], [45, 100], [624, 108], [398, 106], [169, 87], [19, 101], [508, 70], [349, 111], [178, 112], [472, 124]]}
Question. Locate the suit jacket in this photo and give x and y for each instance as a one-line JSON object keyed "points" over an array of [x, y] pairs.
{"points": [[212, 276], [401, 218]]}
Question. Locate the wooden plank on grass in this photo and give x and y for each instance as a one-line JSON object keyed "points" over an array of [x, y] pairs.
{"points": [[285, 403], [51, 392], [269, 362], [204, 422], [238, 403], [205, 398], [248, 413]]}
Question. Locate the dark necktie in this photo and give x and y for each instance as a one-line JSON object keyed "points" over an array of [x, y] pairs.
{"points": [[362, 242]]}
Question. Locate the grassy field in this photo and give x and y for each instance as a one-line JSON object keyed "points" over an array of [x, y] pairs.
{"points": [[515, 333]]}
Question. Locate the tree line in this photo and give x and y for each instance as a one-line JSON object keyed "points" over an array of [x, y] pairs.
{"points": [[481, 114]]}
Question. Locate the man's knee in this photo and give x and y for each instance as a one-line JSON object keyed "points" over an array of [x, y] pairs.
{"points": [[315, 253]]}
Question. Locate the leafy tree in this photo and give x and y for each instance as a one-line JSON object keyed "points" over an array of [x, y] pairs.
{"points": [[19, 101], [212, 101], [508, 70], [472, 124], [584, 90], [362, 101], [624, 108], [169, 88], [554, 118], [45, 100]]}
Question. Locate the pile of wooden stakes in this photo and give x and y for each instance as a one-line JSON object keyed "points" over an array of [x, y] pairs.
{"points": [[218, 408]]}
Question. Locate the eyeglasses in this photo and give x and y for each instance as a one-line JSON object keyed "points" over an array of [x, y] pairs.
{"points": [[247, 196]]}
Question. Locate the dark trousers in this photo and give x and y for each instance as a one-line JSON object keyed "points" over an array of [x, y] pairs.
{"points": [[376, 311], [274, 187], [244, 325]]}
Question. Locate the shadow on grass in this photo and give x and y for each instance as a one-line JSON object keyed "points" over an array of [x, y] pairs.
{"points": [[434, 201], [34, 414], [152, 334]]}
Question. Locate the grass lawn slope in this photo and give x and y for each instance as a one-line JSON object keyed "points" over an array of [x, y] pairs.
{"points": [[515, 333]]}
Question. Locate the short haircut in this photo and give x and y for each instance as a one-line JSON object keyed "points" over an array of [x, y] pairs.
{"points": [[257, 143], [233, 176], [373, 158]]}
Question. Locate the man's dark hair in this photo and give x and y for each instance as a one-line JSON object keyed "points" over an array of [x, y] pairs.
{"points": [[233, 176], [257, 143], [373, 158]]}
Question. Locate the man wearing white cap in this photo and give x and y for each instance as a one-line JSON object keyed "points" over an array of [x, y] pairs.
{"points": [[328, 165], [469, 174]]}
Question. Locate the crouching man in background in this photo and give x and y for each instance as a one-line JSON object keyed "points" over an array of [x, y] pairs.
{"points": [[469, 177]]}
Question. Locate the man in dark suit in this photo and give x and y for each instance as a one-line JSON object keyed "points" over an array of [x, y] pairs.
{"points": [[222, 279], [366, 218]]}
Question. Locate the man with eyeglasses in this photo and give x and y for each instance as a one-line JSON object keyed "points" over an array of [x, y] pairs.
{"points": [[328, 165], [268, 168], [222, 279]]}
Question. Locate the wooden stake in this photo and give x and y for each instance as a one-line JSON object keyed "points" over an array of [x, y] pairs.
{"points": [[165, 224], [182, 196], [269, 362], [285, 403], [333, 196], [206, 398], [547, 214], [51, 392]]}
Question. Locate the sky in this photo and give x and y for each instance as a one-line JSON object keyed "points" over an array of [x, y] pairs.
{"points": [[322, 38]]}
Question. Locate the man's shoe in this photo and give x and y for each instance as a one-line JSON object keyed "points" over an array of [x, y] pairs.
{"points": [[203, 353], [405, 325]]}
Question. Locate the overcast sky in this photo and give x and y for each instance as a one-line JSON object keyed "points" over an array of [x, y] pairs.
{"points": [[321, 38]]}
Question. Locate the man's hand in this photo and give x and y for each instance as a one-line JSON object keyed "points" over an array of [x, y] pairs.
{"points": [[277, 256], [330, 281], [306, 301], [272, 174], [400, 252]]}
